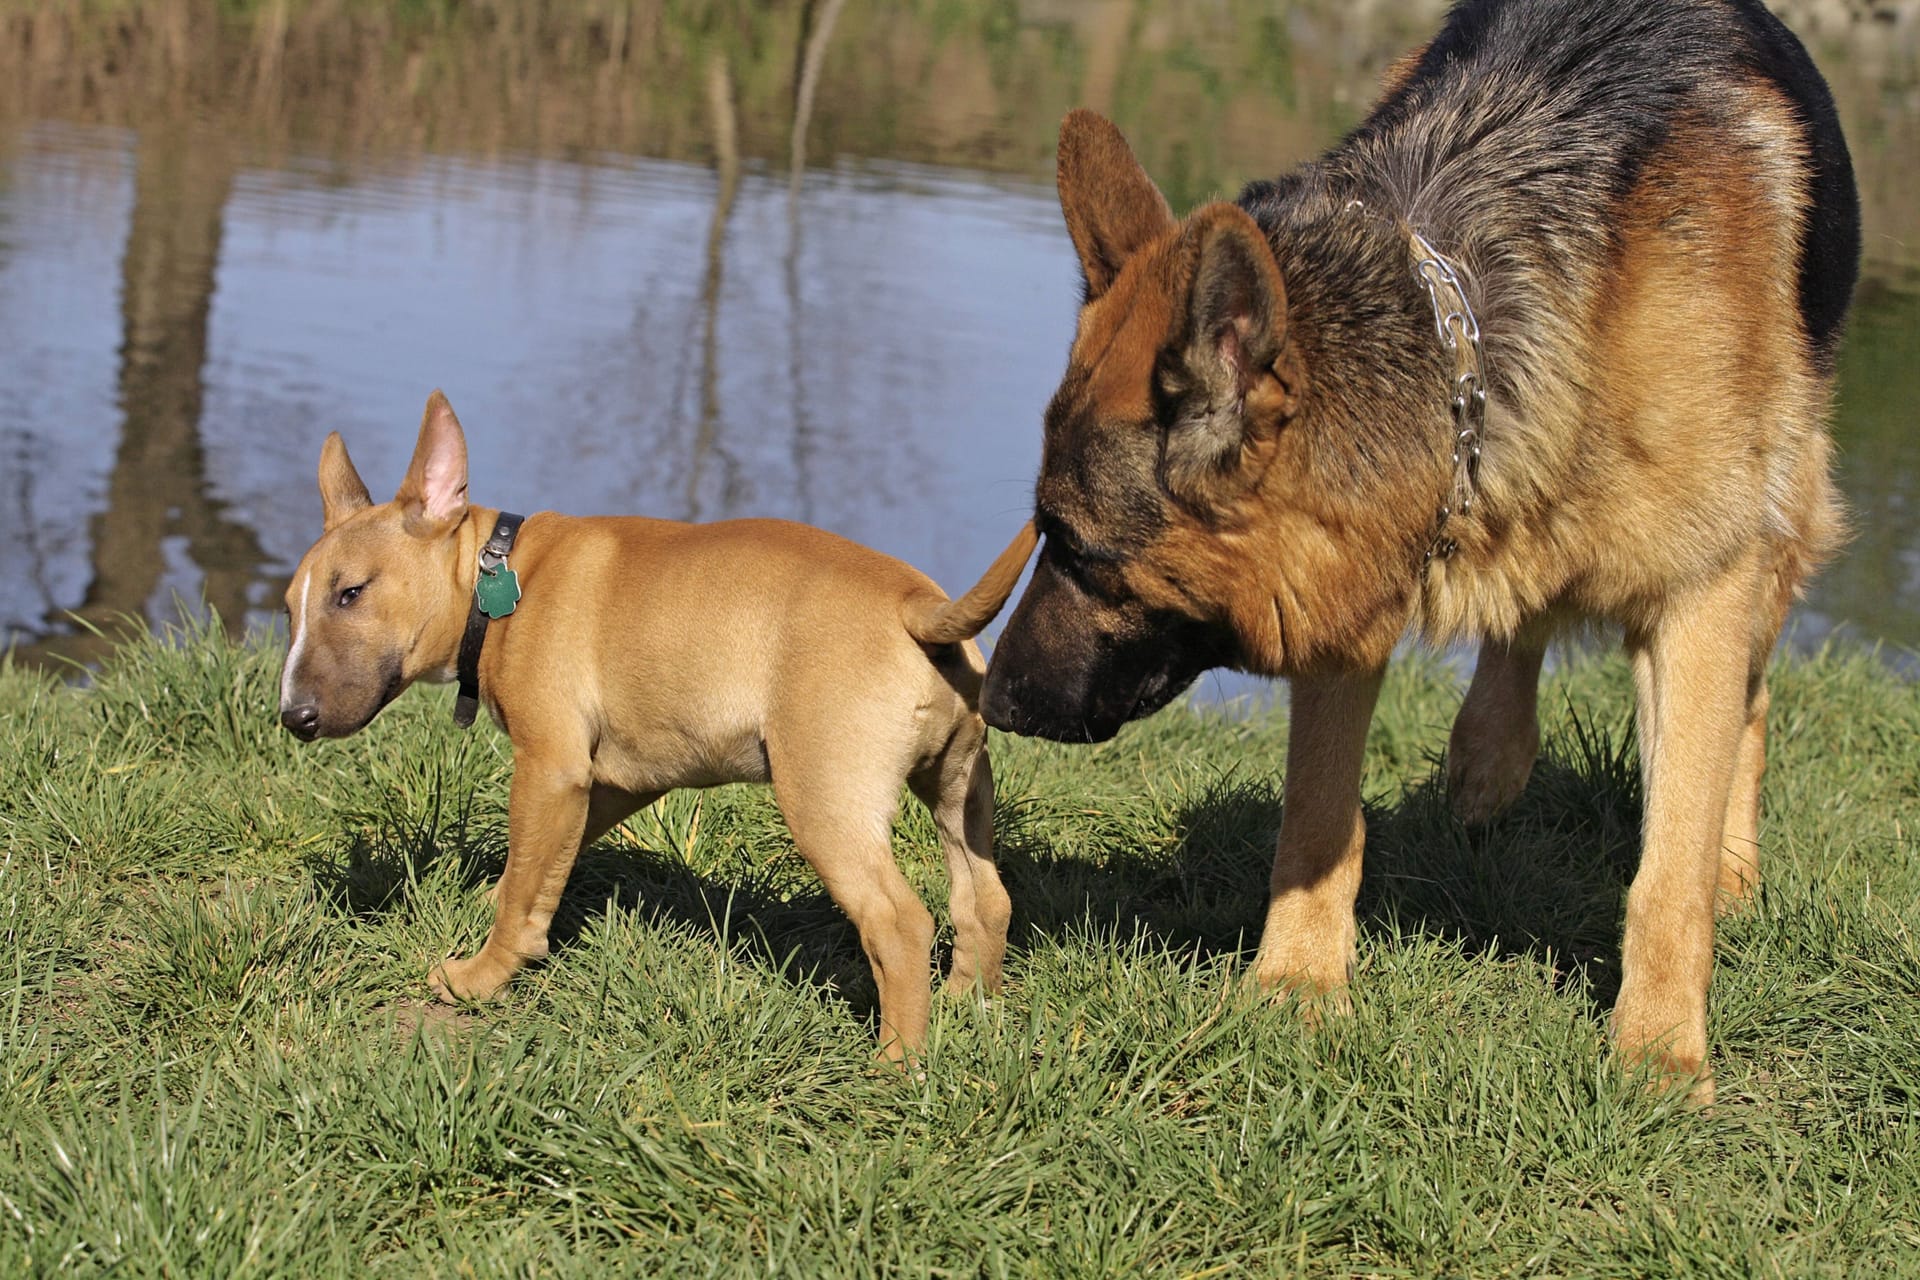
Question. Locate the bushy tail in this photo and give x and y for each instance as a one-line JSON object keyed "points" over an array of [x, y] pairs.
{"points": [[950, 621]]}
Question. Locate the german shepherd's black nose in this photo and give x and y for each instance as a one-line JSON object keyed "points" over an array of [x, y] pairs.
{"points": [[303, 721]]}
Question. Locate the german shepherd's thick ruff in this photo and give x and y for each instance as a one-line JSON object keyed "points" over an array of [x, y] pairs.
{"points": [[1633, 227]]}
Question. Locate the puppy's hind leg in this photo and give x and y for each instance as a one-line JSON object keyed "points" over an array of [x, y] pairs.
{"points": [[1740, 841], [958, 790], [841, 817], [1496, 736]]}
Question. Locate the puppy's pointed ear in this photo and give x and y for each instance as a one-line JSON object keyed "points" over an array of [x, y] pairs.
{"points": [[342, 492], [434, 494], [1111, 205], [1239, 378]]}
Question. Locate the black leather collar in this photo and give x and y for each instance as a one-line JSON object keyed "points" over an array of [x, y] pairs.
{"points": [[492, 557]]}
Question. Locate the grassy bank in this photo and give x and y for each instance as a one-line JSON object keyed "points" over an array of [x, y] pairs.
{"points": [[215, 1057]]}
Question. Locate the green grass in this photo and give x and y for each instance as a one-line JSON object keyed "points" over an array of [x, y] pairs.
{"points": [[216, 1056]]}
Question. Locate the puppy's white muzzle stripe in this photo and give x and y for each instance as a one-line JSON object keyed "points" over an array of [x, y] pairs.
{"points": [[299, 625]]}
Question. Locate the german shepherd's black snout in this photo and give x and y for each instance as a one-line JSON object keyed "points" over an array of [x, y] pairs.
{"points": [[1074, 669]]}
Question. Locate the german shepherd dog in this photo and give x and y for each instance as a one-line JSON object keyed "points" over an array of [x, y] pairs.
{"points": [[1549, 337]]}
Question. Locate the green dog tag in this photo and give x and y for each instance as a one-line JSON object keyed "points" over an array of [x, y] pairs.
{"points": [[498, 590]]}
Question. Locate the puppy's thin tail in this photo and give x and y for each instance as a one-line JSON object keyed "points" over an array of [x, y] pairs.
{"points": [[933, 621]]}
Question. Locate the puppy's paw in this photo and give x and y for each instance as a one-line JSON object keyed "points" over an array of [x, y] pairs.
{"points": [[893, 1060], [479, 977], [1315, 1006], [974, 988], [1667, 1073]]}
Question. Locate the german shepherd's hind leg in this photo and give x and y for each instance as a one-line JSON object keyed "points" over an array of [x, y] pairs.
{"points": [[840, 813], [1690, 675], [1308, 943], [958, 790], [1740, 842], [1496, 736]]}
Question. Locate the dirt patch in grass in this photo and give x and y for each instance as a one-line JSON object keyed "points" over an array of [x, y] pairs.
{"points": [[412, 1019]]}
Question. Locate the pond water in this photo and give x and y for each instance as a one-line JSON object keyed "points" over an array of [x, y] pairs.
{"points": [[693, 261]]}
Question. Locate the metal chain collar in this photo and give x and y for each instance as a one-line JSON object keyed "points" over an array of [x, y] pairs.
{"points": [[1459, 329]]}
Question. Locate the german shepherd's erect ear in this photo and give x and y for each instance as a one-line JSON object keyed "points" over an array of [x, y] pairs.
{"points": [[434, 493], [1226, 377], [1236, 381], [1111, 205]]}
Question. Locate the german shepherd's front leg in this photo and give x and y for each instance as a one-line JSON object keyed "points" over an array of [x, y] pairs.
{"points": [[1496, 736], [1307, 945], [1690, 674], [546, 821]]}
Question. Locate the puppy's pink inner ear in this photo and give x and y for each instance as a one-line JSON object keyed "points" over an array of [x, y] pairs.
{"points": [[436, 483], [444, 488]]}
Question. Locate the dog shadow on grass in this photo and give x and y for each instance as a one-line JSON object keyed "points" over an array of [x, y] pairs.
{"points": [[764, 903], [1546, 880], [771, 910]]}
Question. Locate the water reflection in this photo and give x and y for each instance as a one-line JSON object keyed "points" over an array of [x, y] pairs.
{"points": [[1874, 587], [225, 231], [640, 361]]}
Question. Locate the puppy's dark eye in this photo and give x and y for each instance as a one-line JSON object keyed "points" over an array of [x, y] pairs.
{"points": [[349, 595]]}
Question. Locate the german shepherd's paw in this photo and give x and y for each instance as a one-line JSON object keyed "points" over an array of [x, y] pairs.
{"points": [[1314, 1000], [1487, 771], [1665, 1041]]}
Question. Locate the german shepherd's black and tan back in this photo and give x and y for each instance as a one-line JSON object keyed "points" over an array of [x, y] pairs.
{"points": [[1549, 337]]}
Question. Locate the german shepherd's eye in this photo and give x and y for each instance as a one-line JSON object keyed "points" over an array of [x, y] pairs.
{"points": [[1054, 530], [1061, 534], [1095, 569], [349, 595], [1172, 380]]}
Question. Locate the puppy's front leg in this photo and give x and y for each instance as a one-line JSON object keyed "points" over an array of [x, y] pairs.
{"points": [[1308, 941], [546, 820]]}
